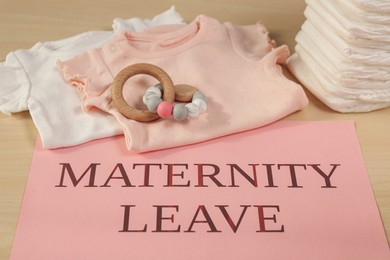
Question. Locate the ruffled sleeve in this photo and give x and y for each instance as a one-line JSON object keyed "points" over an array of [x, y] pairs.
{"points": [[252, 42], [88, 73], [14, 86]]}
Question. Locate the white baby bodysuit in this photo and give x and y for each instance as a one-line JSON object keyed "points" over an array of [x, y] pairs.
{"points": [[31, 81]]}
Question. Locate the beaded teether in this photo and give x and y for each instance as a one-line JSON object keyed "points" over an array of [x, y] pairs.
{"points": [[179, 111], [159, 98]]}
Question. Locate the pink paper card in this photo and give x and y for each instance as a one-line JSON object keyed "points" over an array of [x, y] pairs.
{"points": [[291, 190]]}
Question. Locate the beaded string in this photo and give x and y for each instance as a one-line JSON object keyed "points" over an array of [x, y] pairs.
{"points": [[179, 111]]}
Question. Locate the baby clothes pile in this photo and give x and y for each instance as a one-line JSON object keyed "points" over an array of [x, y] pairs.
{"points": [[343, 53], [31, 81], [66, 84]]}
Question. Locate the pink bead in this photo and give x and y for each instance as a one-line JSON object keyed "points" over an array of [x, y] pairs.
{"points": [[164, 109]]}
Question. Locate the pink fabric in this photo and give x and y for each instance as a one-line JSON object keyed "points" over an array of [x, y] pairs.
{"points": [[236, 67]]}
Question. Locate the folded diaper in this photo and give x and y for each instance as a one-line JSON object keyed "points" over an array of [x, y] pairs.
{"points": [[343, 56], [304, 74], [374, 15], [334, 87], [357, 34], [376, 6], [356, 27], [333, 62], [328, 36]]}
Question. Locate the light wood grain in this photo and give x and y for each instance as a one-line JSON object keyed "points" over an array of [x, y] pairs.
{"points": [[25, 22], [135, 69]]}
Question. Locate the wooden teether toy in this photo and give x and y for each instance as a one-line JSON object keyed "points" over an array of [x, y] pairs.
{"points": [[159, 98], [132, 70]]}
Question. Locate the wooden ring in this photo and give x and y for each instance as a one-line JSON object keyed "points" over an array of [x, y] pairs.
{"points": [[140, 68], [184, 92]]}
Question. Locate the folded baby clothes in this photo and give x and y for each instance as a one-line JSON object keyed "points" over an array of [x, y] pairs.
{"points": [[342, 57], [31, 81], [237, 68]]}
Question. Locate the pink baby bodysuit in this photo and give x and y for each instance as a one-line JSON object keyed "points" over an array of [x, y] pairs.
{"points": [[236, 67]]}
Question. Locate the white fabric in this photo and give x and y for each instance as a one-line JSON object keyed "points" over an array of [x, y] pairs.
{"points": [[329, 84], [346, 71], [304, 74], [343, 56], [378, 6], [365, 14], [30, 80], [326, 64], [317, 28], [135, 24], [357, 27], [355, 34], [367, 85]]}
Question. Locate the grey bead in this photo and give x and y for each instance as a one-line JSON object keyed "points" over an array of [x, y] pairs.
{"points": [[179, 112], [199, 95], [152, 103], [158, 85]]}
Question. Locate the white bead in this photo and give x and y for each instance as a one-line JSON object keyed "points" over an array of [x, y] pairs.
{"points": [[147, 96], [151, 92], [201, 104], [199, 95], [193, 110], [154, 90]]}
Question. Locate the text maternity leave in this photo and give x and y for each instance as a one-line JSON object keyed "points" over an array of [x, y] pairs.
{"points": [[198, 175]]}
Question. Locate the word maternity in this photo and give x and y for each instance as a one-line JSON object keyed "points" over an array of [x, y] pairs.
{"points": [[198, 176]]}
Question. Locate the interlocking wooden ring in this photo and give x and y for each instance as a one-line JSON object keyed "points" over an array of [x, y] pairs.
{"points": [[132, 70]]}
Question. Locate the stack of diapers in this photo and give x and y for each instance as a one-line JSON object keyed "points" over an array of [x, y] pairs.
{"points": [[343, 54]]}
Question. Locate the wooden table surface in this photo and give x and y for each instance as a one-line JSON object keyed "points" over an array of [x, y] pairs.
{"points": [[25, 22]]}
